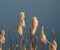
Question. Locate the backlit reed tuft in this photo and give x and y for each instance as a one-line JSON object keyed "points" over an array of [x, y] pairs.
{"points": [[43, 36], [2, 38]]}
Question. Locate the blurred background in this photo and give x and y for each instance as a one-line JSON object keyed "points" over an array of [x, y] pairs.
{"points": [[47, 12]]}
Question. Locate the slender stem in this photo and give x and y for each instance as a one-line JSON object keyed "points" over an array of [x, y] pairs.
{"points": [[32, 41], [0, 46], [53, 33], [10, 47], [42, 47], [22, 40], [16, 45]]}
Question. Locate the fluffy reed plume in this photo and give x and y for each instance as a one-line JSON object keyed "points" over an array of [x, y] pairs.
{"points": [[21, 24], [43, 36], [22, 15], [34, 25], [2, 38], [53, 45]]}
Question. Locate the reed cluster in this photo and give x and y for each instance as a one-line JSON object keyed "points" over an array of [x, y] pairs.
{"points": [[33, 35]]}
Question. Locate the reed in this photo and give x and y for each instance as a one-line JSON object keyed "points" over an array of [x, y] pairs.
{"points": [[20, 29], [53, 45], [43, 36], [33, 28]]}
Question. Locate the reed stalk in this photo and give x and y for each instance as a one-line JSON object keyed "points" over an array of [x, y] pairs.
{"points": [[0, 46]]}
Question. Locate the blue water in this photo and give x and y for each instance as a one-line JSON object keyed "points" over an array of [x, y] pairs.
{"points": [[47, 12]]}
